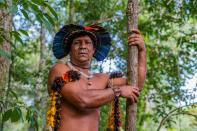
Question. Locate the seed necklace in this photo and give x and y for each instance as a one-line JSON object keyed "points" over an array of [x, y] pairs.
{"points": [[88, 77]]}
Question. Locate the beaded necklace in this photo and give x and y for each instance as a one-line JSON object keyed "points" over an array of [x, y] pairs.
{"points": [[79, 66], [114, 115], [88, 77]]}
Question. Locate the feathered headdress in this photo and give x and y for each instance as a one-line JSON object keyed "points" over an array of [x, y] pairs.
{"points": [[63, 40]]}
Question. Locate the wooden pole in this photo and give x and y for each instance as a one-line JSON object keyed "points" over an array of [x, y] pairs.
{"points": [[71, 12], [131, 108]]}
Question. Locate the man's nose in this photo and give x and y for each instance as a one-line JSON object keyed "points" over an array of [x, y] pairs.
{"points": [[83, 44]]}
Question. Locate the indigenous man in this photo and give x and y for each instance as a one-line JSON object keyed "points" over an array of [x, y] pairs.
{"points": [[82, 95]]}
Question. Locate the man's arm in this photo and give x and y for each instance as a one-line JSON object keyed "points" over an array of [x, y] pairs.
{"points": [[77, 94], [88, 98], [136, 39], [119, 81], [141, 69]]}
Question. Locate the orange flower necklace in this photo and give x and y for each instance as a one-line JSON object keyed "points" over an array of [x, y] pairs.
{"points": [[53, 114]]}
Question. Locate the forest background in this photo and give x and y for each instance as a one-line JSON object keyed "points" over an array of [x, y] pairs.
{"points": [[168, 101]]}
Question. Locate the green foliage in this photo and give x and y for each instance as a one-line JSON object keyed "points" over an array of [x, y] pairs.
{"points": [[14, 109], [169, 31]]}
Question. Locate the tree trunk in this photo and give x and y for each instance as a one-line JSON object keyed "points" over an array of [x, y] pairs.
{"points": [[69, 21], [6, 27], [71, 12], [131, 108]]}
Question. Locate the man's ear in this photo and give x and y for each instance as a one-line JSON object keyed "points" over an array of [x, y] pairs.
{"points": [[94, 50]]}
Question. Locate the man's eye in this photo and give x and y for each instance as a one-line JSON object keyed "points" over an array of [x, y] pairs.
{"points": [[88, 43], [76, 43]]}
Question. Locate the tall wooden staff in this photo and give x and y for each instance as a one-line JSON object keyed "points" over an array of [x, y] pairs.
{"points": [[131, 108]]}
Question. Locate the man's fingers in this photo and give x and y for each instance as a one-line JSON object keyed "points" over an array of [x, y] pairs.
{"points": [[136, 92], [136, 88], [138, 40], [134, 43], [134, 97], [135, 31], [134, 36]]}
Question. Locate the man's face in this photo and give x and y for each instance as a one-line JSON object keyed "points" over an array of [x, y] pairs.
{"points": [[82, 49]]}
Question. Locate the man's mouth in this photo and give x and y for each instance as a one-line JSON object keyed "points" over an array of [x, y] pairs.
{"points": [[83, 51]]}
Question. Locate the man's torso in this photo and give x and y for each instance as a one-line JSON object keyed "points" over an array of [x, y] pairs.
{"points": [[74, 119]]}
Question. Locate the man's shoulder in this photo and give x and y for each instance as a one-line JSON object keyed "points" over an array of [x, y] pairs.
{"points": [[59, 66], [58, 69]]}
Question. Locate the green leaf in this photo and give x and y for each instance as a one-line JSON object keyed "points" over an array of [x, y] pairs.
{"points": [[14, 94], [5, 54], [15, 33], [7, 115], [50, 19], [47, 24], [14, 1], [1, 39], [2, 4], [52, 11], [28, 114], [38, 2], [19, 111], [23, 32], [16, 114], [39, 17], [25, 14], [17, 36], [35, 8], [25, 5]]}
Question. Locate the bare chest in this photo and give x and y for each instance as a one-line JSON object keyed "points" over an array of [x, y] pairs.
{"points": [[93, 83]]}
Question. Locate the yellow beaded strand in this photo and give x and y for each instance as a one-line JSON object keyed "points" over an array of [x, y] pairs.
{"points": [[50, 115]]}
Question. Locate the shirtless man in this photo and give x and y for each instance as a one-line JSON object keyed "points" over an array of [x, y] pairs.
{"points": [[81, 99]]}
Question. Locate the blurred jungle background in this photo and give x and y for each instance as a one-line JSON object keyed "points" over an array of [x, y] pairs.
{"points": [[168, 101]]}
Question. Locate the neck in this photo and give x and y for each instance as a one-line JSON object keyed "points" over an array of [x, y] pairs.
{"points": [[85, 72], [81, 65]]}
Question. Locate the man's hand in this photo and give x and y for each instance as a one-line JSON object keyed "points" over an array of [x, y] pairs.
{"points": [[129, 92], [136, 39]]}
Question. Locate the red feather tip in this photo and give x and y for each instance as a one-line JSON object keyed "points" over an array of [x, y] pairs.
{"points": [[94, 28], [88, 28]]}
